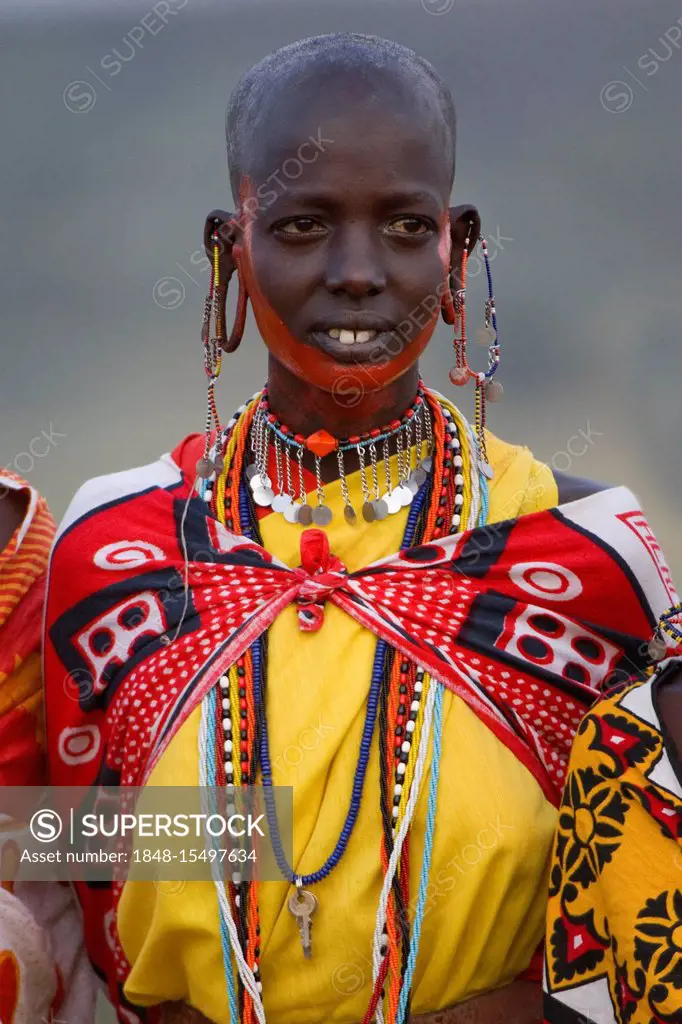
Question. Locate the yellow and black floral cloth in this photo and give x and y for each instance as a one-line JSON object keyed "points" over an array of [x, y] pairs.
{"points": [[614, 932]]}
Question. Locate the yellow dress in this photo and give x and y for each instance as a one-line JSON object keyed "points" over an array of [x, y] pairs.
{"points": [[486, 903]]}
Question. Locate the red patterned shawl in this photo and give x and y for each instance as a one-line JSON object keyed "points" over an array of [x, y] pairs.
{"points": [[525, 620]]}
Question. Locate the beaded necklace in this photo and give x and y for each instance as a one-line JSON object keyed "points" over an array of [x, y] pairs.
{"points": [[402, 698]]}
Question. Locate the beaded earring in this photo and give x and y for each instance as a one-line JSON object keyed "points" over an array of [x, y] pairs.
{"points": [[216, 343], [454, 312]]}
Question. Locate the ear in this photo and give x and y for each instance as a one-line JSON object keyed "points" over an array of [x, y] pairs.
{"points": [[225, 226], [464, 221]]}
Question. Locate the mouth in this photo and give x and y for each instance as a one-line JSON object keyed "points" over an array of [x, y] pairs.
{"points": [[356, 342]]}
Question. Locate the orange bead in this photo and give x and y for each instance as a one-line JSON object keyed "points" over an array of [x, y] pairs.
{"points": [[321, 443]]}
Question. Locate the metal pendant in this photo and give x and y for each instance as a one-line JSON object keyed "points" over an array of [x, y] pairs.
{"points": [[427, 465], [281, 502], [413, 486], [258, 481], [486, 469], [419, 476], [349, 515], [657, 647], [405, 494], [250, 472], [305, 514], [322, 515], [291, 513], [263, 496], [392, 501], [380, 508], [369, 512]]}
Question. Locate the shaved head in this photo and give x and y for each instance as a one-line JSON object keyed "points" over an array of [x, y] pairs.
{"points": [[353, 67]]}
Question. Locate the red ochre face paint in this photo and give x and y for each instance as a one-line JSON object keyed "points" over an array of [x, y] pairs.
{"points": [[392, 355]]}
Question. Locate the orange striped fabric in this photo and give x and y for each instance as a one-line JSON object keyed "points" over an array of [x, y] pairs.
{"points": [[23, 566]]}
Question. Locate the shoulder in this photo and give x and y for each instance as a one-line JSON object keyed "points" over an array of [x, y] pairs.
{"points": [[668, 700], [572, 488], [523, 484], [112, 488]]}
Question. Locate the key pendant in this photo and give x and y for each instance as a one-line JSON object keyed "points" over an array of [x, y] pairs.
{"points": [[303, 905]]}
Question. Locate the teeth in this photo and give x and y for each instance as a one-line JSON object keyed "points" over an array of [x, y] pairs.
{"points": [[347, 337]]}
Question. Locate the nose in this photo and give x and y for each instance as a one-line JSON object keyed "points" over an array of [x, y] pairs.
{"points": [[354, 267]]}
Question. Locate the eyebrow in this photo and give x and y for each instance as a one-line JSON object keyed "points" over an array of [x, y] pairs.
{"points": [[391, 197]]}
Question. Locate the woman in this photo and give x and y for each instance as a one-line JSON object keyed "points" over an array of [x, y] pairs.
{"points": [[44, 971], [347, 590]]}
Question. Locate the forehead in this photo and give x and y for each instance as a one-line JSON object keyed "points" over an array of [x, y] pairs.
{"points": [[353, 130]]}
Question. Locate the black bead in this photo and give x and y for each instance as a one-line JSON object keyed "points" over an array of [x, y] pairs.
{"points": [[228, 502], [401, 709], [242, 691], [256, 951], [245, 756], [396, 800], [397, 751], [257, 929], [241, 671], [443, 501], [399, 730], [404, 666], [402, 689], [439, 521], [243, 734], [404, 758]]}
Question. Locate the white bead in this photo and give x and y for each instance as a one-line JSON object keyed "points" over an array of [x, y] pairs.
{"points": [[456, 520], [226, 723], [225, 682], [405, 746], [395, 812], [414, 706], [410, 726], [418, 686], [208, 496], [401, 769], [228, 727], [236, 877], [229, 767], [397, 789], [237, 900], [458, 461], [459, 500], [228, 746], [259, 986], [459, 480], [226, 703], [455, 443]]}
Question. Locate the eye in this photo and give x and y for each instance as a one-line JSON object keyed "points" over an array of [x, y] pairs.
{"points": [[410, 225], [297, 227]]}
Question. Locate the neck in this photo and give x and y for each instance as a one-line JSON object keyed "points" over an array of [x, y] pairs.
{"points": [[351, 410]]}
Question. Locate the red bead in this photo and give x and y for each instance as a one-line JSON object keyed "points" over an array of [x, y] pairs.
{"points": [[354, 440], [242, 703], [394, 424], [419, 400], [400, 720], [409, 413], [285, 429], [443, 491], [271, 418], [375, 432], [244, 746], [299, 438]]}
